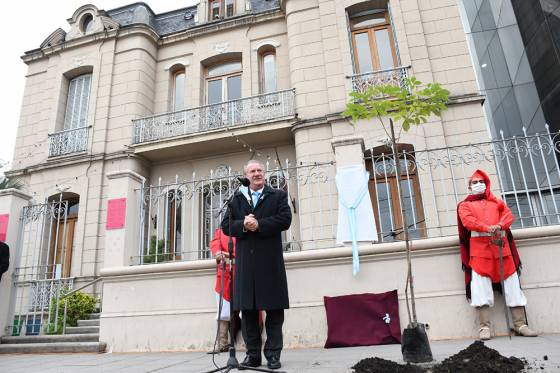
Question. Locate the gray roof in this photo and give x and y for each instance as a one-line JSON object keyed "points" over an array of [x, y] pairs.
{"points": [[173, 21]]}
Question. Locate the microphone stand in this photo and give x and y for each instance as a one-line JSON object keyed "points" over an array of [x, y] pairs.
{"points": [[232, 362]]}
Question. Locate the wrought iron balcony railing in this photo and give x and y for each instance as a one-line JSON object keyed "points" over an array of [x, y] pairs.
{"points": [[244, 111], [361, 82], [68, 141]]}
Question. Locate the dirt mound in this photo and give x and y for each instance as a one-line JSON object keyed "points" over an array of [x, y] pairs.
{"points": [[377, 365], [477, 358]]}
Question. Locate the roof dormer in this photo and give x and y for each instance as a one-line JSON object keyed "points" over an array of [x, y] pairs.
{"points": [[87, 20]]}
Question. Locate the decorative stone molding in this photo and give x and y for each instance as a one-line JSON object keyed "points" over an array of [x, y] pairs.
{"points": [[56, 37], [262, 43], [78, 61], [221, 47], [126, 173], [348, 141], [348, 151], [101, 22], [16, 193], [183, 63], [109, 23]]}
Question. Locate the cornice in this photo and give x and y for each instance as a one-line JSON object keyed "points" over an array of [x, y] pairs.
{"points": [[337, 117], [37, 54], [124, 174], [76, 160], [466, 99], [221, 25], [428, 247], [131, 30], [143, 29], [15, 193], [318, 121]]}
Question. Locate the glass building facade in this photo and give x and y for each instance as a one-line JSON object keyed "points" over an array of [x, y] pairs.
{"points": [[539, 25], [515, 49]]}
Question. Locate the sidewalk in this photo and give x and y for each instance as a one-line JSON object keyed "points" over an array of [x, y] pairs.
{"points": [[316, 360]]}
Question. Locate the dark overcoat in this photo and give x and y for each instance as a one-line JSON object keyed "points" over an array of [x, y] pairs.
{"points": [[260, 275], [4, 258]]}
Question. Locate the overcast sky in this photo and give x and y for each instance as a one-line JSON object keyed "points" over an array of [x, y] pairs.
{"points": [[25, 24]]}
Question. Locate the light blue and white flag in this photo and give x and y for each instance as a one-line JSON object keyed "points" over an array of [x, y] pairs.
{"points": [[355, 213]]}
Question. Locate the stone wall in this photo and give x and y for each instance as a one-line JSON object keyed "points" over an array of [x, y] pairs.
{"points": [[180, 313]]}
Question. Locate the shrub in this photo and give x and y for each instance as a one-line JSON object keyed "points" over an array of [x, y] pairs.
{"points": [[159, 254], [79, 307]]}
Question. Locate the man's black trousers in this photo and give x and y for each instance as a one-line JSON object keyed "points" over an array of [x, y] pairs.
{"points": [[252, 333]]}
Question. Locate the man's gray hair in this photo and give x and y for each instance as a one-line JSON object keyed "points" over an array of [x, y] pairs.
{"points": [[252, 161]]}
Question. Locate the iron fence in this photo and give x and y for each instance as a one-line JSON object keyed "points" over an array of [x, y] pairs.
{"points": [[179, 219], [270, 106], [68, 141], [524, 172], [40, 273], [394, 76]]}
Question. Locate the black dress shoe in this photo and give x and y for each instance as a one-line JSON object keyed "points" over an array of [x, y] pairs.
{"points": [[250, 362], [273, 363]]}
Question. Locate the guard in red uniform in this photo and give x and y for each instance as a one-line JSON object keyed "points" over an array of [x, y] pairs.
{"points": [[219, 248], [481, 218]]}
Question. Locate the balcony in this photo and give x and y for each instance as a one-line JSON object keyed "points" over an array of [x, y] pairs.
{"points": [[395, 76], [68, 141], [256, 109]]}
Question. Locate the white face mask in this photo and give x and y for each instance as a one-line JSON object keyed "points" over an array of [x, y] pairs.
{"points": [[478, 188]]}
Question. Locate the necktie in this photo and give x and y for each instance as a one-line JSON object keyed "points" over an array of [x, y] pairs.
{"points": [[255, 196]]}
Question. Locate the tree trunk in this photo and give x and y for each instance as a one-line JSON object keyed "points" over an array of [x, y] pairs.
{"points": [[410, 281]]}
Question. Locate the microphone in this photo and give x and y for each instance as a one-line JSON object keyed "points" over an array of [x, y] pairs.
{"points": [[244, 181]]}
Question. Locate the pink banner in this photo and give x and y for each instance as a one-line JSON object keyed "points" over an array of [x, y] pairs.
{"points": [[116, 211], [3, 226]]}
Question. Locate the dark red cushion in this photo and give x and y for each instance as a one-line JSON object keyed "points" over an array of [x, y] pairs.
{"points": [[363, 320]]}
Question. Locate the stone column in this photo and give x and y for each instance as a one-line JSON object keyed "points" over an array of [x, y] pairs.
{"points": [[12, 202], [348, 151], [121, 244]]}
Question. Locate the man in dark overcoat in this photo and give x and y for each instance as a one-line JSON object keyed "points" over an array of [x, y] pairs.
{"points": [[259, 215], [4, 258]]}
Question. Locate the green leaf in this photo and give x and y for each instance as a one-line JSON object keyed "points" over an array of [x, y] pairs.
{"points": [[407, 104]]}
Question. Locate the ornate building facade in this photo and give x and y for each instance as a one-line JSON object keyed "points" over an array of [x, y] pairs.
{"points": [[158, 112]]}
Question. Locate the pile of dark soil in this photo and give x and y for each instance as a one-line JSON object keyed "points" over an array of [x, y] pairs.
{"points": [[377, 365], [477, 358]]}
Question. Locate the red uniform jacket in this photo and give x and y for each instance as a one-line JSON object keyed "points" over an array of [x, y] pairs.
{"points": [[220, 243], [477, 213]]}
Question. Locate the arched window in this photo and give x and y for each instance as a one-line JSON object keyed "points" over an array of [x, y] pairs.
{"points": [[57, 262], [372, 39], [178, 90], [384, 194], [87, 23], [173, 222], [77, 102], [214, 194], [223, 83], [267, 70]]}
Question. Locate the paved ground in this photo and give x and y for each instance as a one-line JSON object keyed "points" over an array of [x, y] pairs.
{"points": [[317, 360]]}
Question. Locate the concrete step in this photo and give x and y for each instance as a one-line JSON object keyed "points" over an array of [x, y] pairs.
{"points": [[66, 347], [50, 338], [94, 316], [82, 329], [88, 322]]}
